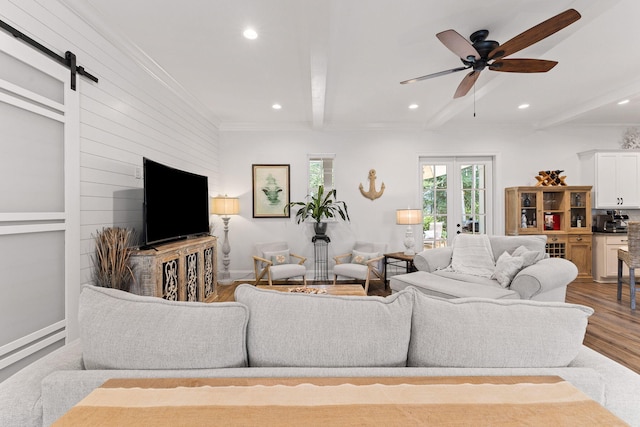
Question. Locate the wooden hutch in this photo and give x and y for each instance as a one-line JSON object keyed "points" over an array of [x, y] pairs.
{"points": [[563, 213]]}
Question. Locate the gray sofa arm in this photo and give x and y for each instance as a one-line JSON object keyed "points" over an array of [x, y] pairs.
{"points": [[433, 259], [21, 393], [544, 276], [621, 384]]}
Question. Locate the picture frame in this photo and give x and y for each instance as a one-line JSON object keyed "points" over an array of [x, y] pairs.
{"points": [[271, 191]]}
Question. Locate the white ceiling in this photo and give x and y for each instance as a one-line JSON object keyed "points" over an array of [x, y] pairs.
{"points": [[337, 64]]}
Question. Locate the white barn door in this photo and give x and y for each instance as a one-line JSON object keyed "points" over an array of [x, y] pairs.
{"points": [[39, 205]]}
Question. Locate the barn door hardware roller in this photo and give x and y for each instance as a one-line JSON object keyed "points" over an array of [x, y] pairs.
{"points": [[69, 59]]}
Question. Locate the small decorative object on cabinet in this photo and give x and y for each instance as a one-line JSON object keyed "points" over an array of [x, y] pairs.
{"points": [[550, 178], [563, 213], [615, 177], [180, 271]]}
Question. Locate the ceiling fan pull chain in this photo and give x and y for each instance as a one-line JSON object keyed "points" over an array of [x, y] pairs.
{"points": [[474, 100]]}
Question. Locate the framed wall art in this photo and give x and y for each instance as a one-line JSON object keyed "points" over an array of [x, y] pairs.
{"points": [[271, 191]]}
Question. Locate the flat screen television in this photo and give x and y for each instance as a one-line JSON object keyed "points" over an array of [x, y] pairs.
{"points": [[176, 203]]}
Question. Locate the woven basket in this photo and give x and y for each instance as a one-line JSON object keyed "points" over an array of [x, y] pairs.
{"points": [[633, 234]]}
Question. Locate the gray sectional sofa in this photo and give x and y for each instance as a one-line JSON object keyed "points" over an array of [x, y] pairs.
{"points": [[521, 270], [267, 333]]}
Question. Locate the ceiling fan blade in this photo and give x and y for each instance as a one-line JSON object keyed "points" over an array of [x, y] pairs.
{"points": [[457, 44], [438, 74], [466, 84], [522, 65], [535, 34]]}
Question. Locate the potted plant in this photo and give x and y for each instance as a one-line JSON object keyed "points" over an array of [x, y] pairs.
{"points": [[321, 206]]}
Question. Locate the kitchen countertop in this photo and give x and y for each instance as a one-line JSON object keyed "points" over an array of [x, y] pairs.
{"points": [[609, 233]]}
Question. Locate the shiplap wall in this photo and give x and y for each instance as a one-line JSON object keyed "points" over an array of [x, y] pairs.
{"points": [[134, 111]]}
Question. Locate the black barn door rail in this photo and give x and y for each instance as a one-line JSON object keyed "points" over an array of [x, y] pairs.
{"points": [[68, 60]]}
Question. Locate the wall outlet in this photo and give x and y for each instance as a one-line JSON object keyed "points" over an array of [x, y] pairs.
{"points": [[138, 172]]}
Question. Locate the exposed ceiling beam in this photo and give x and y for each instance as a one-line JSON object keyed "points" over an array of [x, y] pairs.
{"points": [[582, 107], [319, 42]]}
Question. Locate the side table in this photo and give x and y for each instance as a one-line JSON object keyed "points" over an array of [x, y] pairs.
{"points": [[398, 260]]}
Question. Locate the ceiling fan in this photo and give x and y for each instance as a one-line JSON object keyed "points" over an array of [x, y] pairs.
{"points": [[482, 53]]}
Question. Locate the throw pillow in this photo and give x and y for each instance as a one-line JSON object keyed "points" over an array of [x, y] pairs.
{"points": [[506, 269], [528, 257], [278, 257], [358, 257]]}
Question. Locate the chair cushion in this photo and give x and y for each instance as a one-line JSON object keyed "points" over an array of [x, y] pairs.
{"points": [[489, 333], [285, 271], [120, 330], [439, 285], [500, 244], [326, 330], [356, 271]]}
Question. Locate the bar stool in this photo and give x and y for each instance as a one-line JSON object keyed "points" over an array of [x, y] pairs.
{"points": [[631, 257]]}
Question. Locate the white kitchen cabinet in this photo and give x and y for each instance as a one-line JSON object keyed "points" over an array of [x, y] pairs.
{"points": [[615, 177], [605, 256]]}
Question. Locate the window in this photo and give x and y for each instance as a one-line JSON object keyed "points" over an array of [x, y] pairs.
{"points": [[320, 172]]}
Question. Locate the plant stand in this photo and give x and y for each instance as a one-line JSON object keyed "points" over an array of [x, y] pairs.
{"points": [[321, 257]]}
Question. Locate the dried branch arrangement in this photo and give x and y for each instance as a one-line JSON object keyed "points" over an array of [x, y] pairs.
{"points": [[111, 259]]}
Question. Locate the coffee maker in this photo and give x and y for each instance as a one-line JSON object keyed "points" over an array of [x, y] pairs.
{"points": [[613, 222]]}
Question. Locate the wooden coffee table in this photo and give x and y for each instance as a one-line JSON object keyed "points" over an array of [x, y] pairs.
{"points": [[351, 290]]}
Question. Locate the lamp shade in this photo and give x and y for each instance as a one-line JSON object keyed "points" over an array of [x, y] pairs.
{"points": [[408, 216], [223, 205]]}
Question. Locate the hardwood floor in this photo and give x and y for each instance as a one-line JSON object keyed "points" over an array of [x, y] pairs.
{"points": [[613, 330]]}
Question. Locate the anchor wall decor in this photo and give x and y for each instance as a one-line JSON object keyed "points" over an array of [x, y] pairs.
{"points": [[372, 193]]}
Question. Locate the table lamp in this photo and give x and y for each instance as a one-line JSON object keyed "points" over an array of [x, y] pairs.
{"points": [[409, 217]]}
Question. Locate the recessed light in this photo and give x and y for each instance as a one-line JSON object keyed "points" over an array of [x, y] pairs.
{"points": [[624, 101], [276, 106], [523, 106], [413, 106], [250, 34]]}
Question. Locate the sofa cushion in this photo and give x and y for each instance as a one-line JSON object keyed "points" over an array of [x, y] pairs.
{"points": [[446, 285], [489, 333], [303, 330], [120, 330]]}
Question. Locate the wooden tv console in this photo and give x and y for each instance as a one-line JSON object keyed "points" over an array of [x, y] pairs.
{"points": [[184, 270]]}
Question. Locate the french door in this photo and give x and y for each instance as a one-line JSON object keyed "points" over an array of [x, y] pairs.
{"points": [[457, 197]]}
